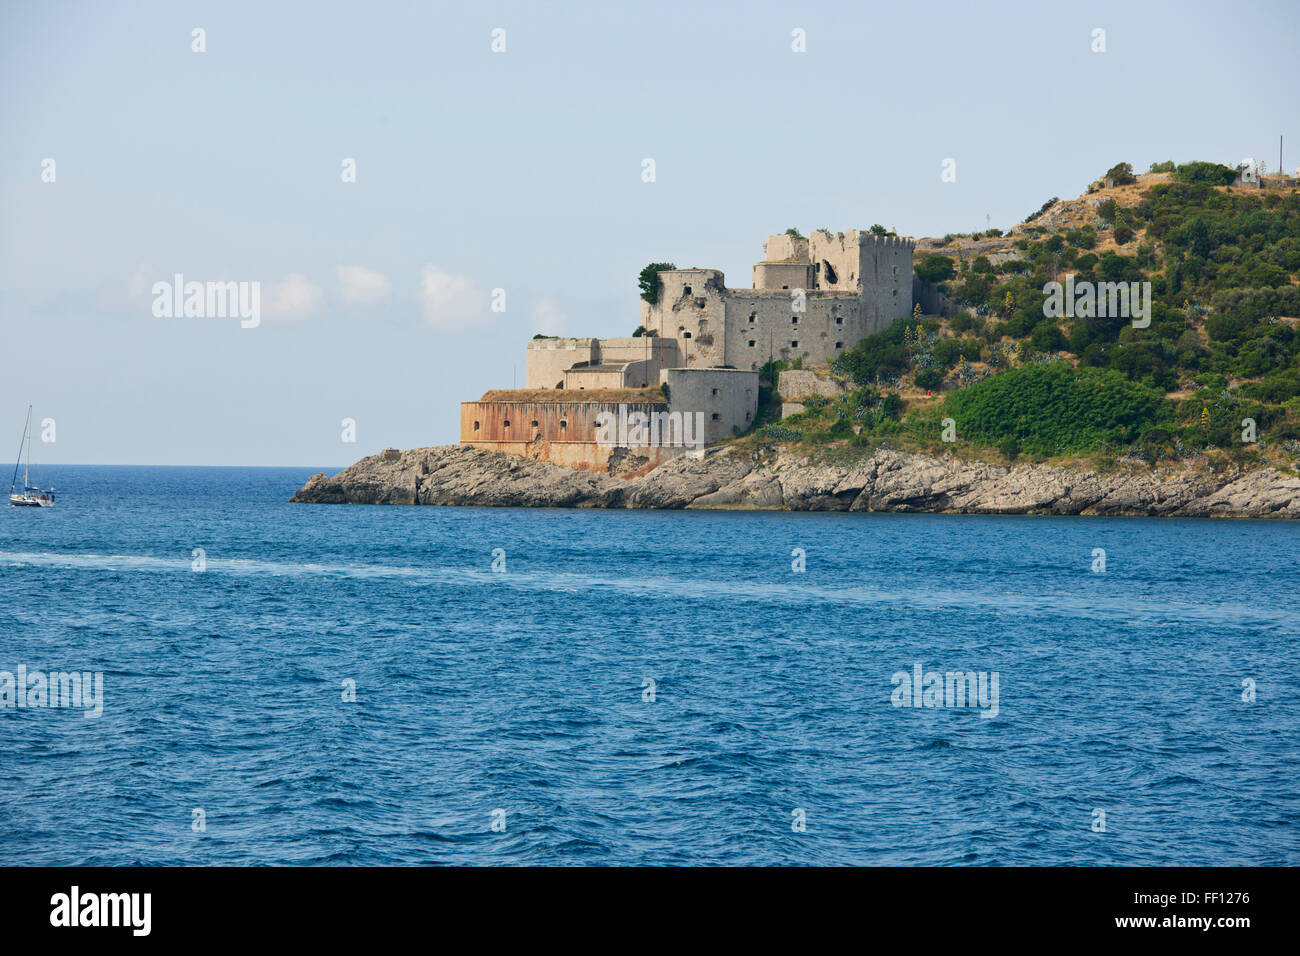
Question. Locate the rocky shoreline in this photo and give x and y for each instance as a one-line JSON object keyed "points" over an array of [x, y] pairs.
{"points": [[885, 480]]}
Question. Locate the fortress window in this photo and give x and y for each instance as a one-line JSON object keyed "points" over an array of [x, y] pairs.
{"points": [[839, 320], [785, 287], [746, 416], [534, 423], [476, 426], [686, 291], [507, 423], [686, 335], [839, 345], [563, 424], [794, 344], [751, 316], [715, 391], [830, 272], [794, 320], [715, 416], [751, 343]]}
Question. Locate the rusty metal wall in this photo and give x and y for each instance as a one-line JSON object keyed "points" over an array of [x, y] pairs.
{"points": [[556, 421]]}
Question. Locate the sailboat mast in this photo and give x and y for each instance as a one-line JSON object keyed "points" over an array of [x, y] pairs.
{"points": [[19, 460], [27, 481]]}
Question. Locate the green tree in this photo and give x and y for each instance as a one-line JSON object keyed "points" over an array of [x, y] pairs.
{"points": [[1121, 174], [936, 268], [649, 280]]}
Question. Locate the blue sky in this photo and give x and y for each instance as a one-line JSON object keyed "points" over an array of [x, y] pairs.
{"points": [[520, 171]]}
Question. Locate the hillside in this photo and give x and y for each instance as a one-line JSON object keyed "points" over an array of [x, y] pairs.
{"points": [[1018, 379]]}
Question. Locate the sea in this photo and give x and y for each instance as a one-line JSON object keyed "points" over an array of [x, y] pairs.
{"points": [[268, 683]]}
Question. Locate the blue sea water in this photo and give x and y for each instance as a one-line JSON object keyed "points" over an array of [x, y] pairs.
{"points": [[526, 691]]}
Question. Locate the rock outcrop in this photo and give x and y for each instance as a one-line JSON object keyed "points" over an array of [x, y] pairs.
{"points": [[881, 481]]}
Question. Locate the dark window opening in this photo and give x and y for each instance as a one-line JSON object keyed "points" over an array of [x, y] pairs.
{"points": [[686, 335], [794, 344], [751, 343], [688, 290], [715, 416], [839, 345], [830, 272], [839, 320], [476, 426]]}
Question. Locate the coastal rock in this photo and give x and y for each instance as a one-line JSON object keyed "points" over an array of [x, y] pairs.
{"points": [[807, 487], [683, 480], [884, 480], [1265, 493]]}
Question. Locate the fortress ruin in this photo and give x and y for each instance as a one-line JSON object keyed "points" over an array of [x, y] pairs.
{"points": [[813, 298]]}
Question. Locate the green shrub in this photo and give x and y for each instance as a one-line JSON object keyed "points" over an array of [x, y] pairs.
{"points": [[929, 378], [1051, 407], [1212, 174]]}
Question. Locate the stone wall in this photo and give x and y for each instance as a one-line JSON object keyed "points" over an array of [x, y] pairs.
{"points": [[763, 326], [728, 398], [800, 383], [546, 360], [782, 276], [690, 310]]}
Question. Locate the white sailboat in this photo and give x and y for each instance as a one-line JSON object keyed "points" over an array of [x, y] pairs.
{"points": [[29, 497]]}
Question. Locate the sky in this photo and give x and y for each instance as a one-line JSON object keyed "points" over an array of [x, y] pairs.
{"points": [[521, 170]]}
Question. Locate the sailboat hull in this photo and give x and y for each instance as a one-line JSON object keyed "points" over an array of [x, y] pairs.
{"points": [[31, 501]]}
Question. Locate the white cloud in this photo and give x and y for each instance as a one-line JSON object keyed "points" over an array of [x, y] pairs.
{"points": [[547, 318], [362, 286], [450, 301], [294, 298]]}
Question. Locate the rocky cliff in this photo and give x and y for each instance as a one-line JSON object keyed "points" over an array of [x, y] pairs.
{"points": [[880, 481]]}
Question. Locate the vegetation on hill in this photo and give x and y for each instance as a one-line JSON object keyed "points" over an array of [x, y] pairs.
{"points": [[1221, 347]]}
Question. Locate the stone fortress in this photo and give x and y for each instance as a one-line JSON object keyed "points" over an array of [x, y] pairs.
{"points": [[813, 298]]}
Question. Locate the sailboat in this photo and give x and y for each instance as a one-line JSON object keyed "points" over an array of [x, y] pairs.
{"points": [[29, 497]]}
